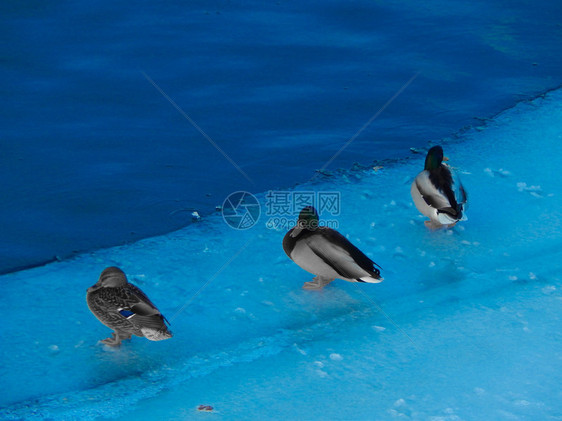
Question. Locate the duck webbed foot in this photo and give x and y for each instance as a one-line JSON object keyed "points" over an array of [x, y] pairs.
{"points": [[116, 339], [317, 283], [432, 225]]}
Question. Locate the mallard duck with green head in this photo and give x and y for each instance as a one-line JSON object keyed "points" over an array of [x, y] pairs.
{"points": [[123, 307], [326, 253], [437, 194]]}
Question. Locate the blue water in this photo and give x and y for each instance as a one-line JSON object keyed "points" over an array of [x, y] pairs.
{"points": [[93, 155]]}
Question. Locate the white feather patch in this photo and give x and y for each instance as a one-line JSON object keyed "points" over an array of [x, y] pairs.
{"points": [[154, 335]]}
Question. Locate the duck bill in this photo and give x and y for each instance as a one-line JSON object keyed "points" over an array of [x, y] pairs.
{"points": [[296, 231], [445, 158]]}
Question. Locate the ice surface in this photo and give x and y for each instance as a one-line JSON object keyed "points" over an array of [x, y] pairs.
{"points": [[466, 324]]}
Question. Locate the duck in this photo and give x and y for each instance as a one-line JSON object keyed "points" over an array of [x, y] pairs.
{"points": [[123, 307], [438, 193], [326, 253]]}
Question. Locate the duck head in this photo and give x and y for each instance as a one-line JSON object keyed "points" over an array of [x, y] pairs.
{"points": [[111, 277], [308, 220], [434, 158]]}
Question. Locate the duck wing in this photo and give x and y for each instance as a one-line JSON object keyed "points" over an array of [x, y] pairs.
{"points": [[140, 305], [431, 193], [104, 305], [342, 256], [460, 193]]}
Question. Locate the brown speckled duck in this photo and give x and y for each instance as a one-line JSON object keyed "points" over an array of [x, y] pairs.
{"points": [[123, 307]]}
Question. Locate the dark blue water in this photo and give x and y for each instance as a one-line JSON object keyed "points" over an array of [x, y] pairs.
{"points": [[93, 154]]}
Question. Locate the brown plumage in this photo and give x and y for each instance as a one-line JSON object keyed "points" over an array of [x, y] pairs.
{"points": [[123, 307]]}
